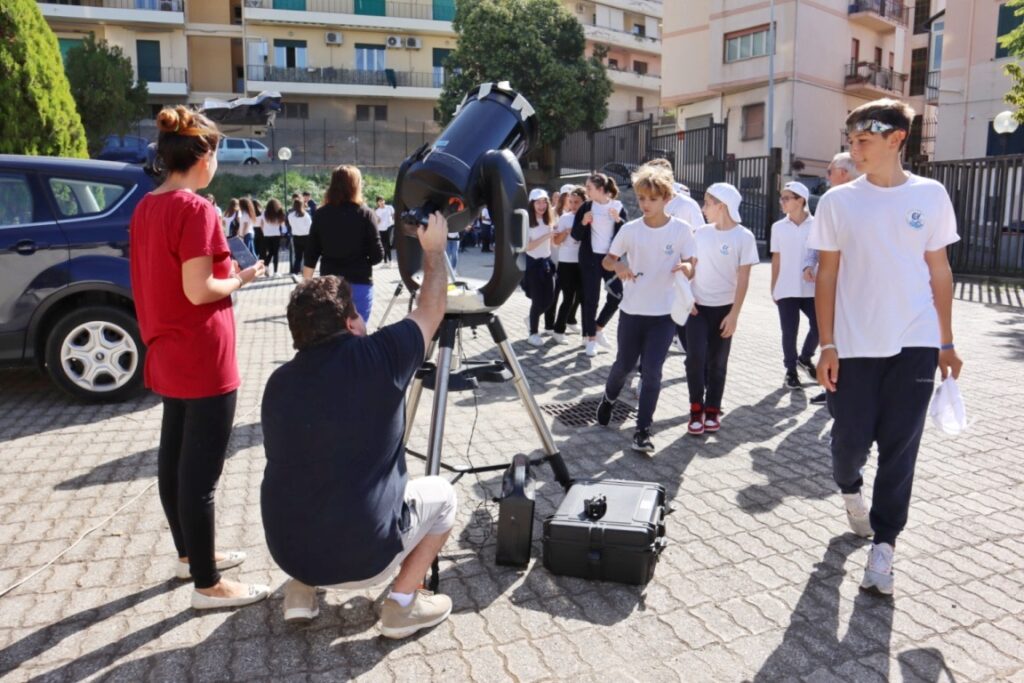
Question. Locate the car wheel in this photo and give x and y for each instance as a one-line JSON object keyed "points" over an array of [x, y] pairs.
{"points": [[96, 354], [250, 161]]}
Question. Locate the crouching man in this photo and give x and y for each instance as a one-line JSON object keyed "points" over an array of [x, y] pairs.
{"points": [[338, 508]]}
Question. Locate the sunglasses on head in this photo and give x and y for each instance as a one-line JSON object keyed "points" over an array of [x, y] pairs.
{"points": [[869, 126]]}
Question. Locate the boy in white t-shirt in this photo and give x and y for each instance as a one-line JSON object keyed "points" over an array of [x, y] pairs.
{"points": [[655, 246], [884, 297], [792, 291], [725, 253], [385, 225]]}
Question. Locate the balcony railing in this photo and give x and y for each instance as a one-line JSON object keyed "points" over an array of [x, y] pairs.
{"points": [[155, 5], [620, 70], [931, 90], [163, 74], [893, 10], [871, 74], [626, 36], [388, 78], [438, 10]]}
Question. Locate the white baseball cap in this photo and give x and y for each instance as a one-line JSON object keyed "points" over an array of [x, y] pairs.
{"points": [[538, 193], [797, 188], [728, 195], [568, 187]]}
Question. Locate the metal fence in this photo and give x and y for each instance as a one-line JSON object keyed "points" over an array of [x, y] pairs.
{"points": [[988, 198], [584, 151]]}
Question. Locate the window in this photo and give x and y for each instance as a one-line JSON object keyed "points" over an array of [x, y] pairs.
{"points": [[639, 30], [83, 197], [639, 67], [892, 61], [878, 56], [922, 13], [696, 122], [938, 27], [855, 51], [232, 143], [370, 57], [440, 55], [613, 63], [639, 104], [374, 8], [290, 54], [16, 206], [294, 110], [371, 112], [66, 44], [257, 146], [747, 44], [148, 60], [753, 122], [1007, 22], [918, 71]]}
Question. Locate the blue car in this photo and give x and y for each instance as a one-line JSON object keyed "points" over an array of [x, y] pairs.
{"points": [[129, 148], [65, 293]]}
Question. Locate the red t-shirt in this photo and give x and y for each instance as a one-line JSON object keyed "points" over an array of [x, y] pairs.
{"points": [[191, 349]]}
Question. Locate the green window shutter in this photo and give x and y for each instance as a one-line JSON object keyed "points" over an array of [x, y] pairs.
{"points": [[148, 59], [290, 4], [66, 44], [374, 8], [1007, 22], [440, 54], [444, 10]]}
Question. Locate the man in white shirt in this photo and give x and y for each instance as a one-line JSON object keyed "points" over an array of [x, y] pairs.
{"points": [[385, 225], [885, 321]]}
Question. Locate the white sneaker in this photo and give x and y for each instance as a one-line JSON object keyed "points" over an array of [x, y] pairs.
{"points": [[591, 350], [878, 573], [559, 338], [858, 514], [636, 389], [573, 328], [602, 340], [535, 340], [232, 559]]}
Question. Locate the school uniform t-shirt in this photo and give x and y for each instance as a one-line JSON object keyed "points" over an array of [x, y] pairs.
{"points": [[884, 297], [271, 228], [789, 241], [686, 209], [602, 228], [543, 250], [385, 217], [720, 254], [300, 224], [569, 250], [651, 254]]}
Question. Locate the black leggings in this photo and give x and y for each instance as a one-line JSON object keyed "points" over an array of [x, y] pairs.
{"points": [[570, 284], [271, 247], [707, 357], [193, 442], [385, 240], [594, 275], [298, 246]]}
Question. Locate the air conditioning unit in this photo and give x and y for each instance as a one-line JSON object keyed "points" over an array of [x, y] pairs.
{"points": [[395, 42], [413, 42], [334, 38]]}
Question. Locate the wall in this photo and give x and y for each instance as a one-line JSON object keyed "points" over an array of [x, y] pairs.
{"points": [[211, 60]]}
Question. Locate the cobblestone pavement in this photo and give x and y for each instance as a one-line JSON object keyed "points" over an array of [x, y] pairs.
{"points": [[759, 582]]}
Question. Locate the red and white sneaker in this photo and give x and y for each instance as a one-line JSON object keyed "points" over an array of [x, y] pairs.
{"points": [[696, 425], [712, 423]]}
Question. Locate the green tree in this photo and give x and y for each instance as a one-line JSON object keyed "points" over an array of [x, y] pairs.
{"points": [[37, 112], [536, 45], [1014, 43], [103, 85]]}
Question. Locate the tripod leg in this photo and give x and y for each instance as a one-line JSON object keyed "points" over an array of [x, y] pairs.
{"points": [[412, 401], [444, 365], [529, 402], [394, 297]]}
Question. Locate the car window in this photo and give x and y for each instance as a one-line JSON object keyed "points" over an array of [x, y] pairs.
{"points": [[254, 144], [76, 197], [236, 144], [16, 207]]}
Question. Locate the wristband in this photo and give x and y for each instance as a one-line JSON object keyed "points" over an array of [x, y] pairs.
{"points": [[241, 282], [946, 347], [826, 347]]}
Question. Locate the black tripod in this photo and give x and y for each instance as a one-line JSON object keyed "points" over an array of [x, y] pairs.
{"points": [[441, 374]]}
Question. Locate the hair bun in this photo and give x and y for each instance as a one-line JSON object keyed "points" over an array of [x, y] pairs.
{"points": [[174, 120]]}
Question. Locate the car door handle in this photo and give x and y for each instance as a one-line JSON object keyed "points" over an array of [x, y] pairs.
{"points": [[28, 246]]}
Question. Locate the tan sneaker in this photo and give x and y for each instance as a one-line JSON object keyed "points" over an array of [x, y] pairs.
{"points": [[425, 610], [300, 601]]}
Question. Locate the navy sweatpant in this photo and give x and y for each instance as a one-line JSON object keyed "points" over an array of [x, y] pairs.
{"points": [[707, 355], [649, 336], [790, 309], [540, 287], [593, 277], [883, 401]]}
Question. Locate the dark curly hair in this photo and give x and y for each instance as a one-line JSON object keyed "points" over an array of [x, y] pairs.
{"points": [[318, 310]]}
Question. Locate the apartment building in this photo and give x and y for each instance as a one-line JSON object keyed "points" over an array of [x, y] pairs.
{"points": [[968, 83], [628, 34], [830, 57]]}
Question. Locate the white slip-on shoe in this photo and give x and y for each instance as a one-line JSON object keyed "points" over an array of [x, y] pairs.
{"points": [[535, 340], [231, 559], [602, 340], [878, 574], [591, 349], [858, 514], [255, 593]]}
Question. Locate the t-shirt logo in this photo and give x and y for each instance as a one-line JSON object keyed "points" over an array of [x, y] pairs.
{"points": [[669, 250], [915, 219], [724, 249]]}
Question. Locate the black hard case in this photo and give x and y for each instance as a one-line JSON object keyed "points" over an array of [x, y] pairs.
{"points": [[622, 546]]}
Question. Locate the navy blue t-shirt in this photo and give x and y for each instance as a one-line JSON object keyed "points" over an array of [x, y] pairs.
{"points": [[334, 484]]}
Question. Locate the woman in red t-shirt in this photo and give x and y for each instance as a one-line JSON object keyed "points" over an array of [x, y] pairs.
{"points": [[182, 279]]}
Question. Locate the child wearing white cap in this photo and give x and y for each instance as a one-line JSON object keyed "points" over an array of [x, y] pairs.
{"points": [[725, 253], [792, 290], [539, 280]]}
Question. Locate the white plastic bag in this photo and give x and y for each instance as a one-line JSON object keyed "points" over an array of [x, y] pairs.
{"points": [[947, 408], [683, 303]]}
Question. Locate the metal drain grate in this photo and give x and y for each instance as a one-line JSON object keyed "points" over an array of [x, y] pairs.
{"points": [[584, 413]]}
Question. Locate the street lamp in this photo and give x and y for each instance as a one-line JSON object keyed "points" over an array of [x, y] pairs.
{"points": [[284, 154], [1005, 125]]}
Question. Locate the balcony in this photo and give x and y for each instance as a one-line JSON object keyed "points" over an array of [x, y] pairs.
{"points": [[167, 80], [883, 16], [312, 80], [623, 39], [632, 79], [433, 16], [139, 12], [931, 90], [873, 80]]}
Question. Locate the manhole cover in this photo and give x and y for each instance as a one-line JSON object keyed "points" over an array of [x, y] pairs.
{"points": [[584, 413]]}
